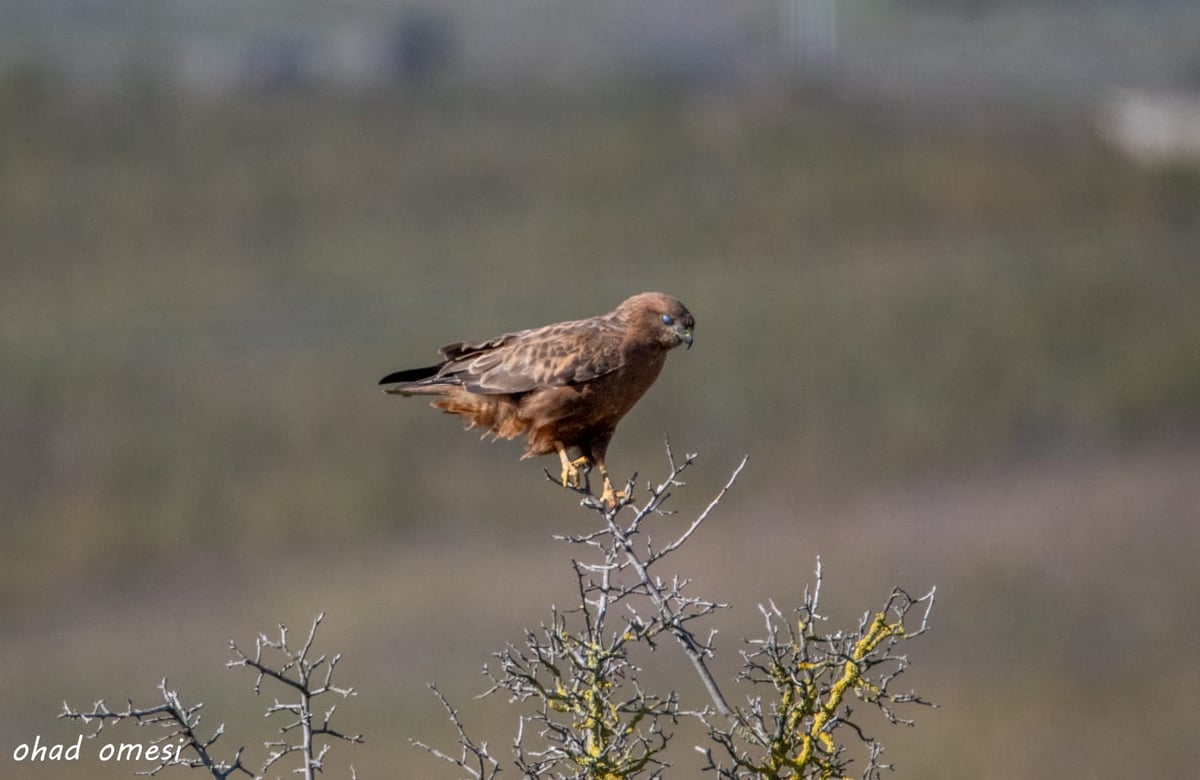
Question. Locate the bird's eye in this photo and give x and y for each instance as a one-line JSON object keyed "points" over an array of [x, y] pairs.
{"points": [[667, 319]]}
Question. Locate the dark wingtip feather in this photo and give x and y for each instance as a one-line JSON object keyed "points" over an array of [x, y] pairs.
{"points": [[410, 375]]}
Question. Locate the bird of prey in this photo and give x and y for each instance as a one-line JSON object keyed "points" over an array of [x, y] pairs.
{"points": [[563, 386]]}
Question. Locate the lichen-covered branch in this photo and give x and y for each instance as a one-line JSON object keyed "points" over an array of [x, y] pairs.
{"points": [[590, 714], [814, 677]]}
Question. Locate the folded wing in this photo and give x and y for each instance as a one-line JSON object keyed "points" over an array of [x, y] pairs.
{"points": [[553, 356]]}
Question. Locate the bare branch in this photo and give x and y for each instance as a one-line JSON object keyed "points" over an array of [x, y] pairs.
{"points": [[180, 722], [473, 759], [294, 670]]}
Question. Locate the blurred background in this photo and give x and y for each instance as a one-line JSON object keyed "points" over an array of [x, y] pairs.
{"points": [[943, 257]]}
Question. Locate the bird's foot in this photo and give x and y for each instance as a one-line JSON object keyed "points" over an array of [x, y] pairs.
{"points": [[575, 474], [610, 497]]}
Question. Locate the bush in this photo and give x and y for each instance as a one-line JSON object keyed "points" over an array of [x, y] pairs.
{"points": [[586, 711]]}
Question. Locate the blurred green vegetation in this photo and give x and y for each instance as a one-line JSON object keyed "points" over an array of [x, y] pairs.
{"points": [[198, 294]]}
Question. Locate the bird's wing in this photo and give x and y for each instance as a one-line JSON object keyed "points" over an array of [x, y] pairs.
{"points": [[552, 356]]}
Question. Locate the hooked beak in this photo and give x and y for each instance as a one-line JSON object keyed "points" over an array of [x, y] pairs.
{"points": [[685, 335]]}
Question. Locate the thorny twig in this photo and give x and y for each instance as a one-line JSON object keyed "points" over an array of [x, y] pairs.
{"points": [[593, 715], [181, 722], [474, 759], [300, 672], [296, 670]]}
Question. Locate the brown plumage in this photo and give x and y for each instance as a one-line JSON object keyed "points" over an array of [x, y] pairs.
{"points": [[563, 386]]}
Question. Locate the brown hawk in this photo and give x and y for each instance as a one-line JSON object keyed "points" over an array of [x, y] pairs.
{"points": [[563, 386]]}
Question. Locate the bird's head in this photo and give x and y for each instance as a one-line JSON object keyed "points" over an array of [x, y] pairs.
{"points": [[662, 318]]}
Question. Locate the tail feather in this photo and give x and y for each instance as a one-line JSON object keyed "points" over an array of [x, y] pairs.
{"points": [[498, 415]]}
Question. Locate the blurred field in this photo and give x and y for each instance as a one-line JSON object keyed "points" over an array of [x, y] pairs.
{"points": [[959, 353]]}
